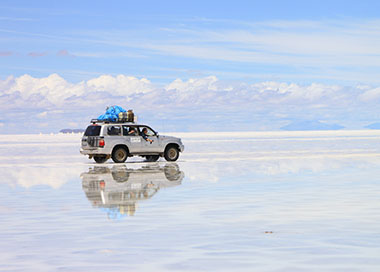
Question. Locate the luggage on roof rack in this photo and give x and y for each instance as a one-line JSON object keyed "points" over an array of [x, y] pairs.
{"points": [[116, 114], [128, 116], [112, 113]]}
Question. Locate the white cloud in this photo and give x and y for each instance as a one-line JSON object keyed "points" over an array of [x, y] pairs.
{"points": [[120, 85], [326, 43], [207, 83], [52, 88], [58, 101], [371, 95], [293, 91], [53, 93], [28, 177], [210, 90], [42, 114], [344, 50]]}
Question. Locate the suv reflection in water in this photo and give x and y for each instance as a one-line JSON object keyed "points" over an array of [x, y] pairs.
{"points": [[117, 189]]}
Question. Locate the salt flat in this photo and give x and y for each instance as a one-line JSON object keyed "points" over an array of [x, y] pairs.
{"points": [[237, 201]]}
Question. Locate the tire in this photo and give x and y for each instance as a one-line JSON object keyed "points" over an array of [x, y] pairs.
{"points": [[119, 155], [152, 158], [100, 159], [171, 153], [172, 172], [120, 175]]}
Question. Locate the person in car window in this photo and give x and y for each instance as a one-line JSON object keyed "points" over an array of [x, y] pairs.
{"points": [[145, 137], [132, 131]]}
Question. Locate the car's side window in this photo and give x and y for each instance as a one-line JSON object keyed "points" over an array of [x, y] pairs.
{"points": [[149, 132], [114, 130], [130, 131]]}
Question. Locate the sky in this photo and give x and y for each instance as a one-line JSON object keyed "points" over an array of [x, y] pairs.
{"points": [[197, 65]]}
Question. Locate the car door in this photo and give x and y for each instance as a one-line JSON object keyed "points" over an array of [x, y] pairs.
{"points": [[133, 138], [114, 135], [150, 146]]}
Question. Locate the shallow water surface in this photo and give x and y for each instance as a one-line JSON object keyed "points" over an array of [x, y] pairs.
{"points": [[276, 201]]}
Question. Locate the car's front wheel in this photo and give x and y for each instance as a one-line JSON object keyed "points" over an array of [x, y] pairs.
{"points": [[171, 153], [172, 172], [119, 155]]}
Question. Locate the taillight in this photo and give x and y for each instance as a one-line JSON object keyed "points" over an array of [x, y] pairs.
{"points": [[101, 143]]}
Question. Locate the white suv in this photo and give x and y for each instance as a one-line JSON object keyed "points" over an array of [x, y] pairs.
{"points": [[118, 140]]}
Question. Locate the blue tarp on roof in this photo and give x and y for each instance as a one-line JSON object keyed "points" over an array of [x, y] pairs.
{"points": [[112, 113]]}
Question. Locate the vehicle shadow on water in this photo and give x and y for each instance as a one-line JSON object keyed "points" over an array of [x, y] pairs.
{"points": [[117, 189]]}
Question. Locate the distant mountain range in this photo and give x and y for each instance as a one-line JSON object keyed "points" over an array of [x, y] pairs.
{"points": [[293, 126], [69, 130], [311, 125], [374, 126]]}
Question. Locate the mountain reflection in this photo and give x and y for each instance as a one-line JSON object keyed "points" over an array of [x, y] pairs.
{"points": [[117, 189]]}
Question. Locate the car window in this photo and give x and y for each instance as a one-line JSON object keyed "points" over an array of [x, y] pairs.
{"points": [[92, 130], [130, 131], [114, 130], [149, 132]]}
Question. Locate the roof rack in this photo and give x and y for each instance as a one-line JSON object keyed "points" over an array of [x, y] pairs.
{"points": [[108, 121]]}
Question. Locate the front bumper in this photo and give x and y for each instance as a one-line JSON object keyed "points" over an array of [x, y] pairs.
{"points": [[181, 148]]}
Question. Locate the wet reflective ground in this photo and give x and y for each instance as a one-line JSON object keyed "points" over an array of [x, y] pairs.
{"points": [[305, 201]]}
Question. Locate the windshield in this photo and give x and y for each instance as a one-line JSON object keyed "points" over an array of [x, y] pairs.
{"points": [[92, 131]]}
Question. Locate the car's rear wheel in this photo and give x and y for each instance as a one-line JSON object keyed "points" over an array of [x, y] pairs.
{"points": [[100, 159], [152, 158], [171, 153], [119, 155]]}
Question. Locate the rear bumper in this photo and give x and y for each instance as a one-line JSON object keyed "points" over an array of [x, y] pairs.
{"points": [[95, 151]]}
